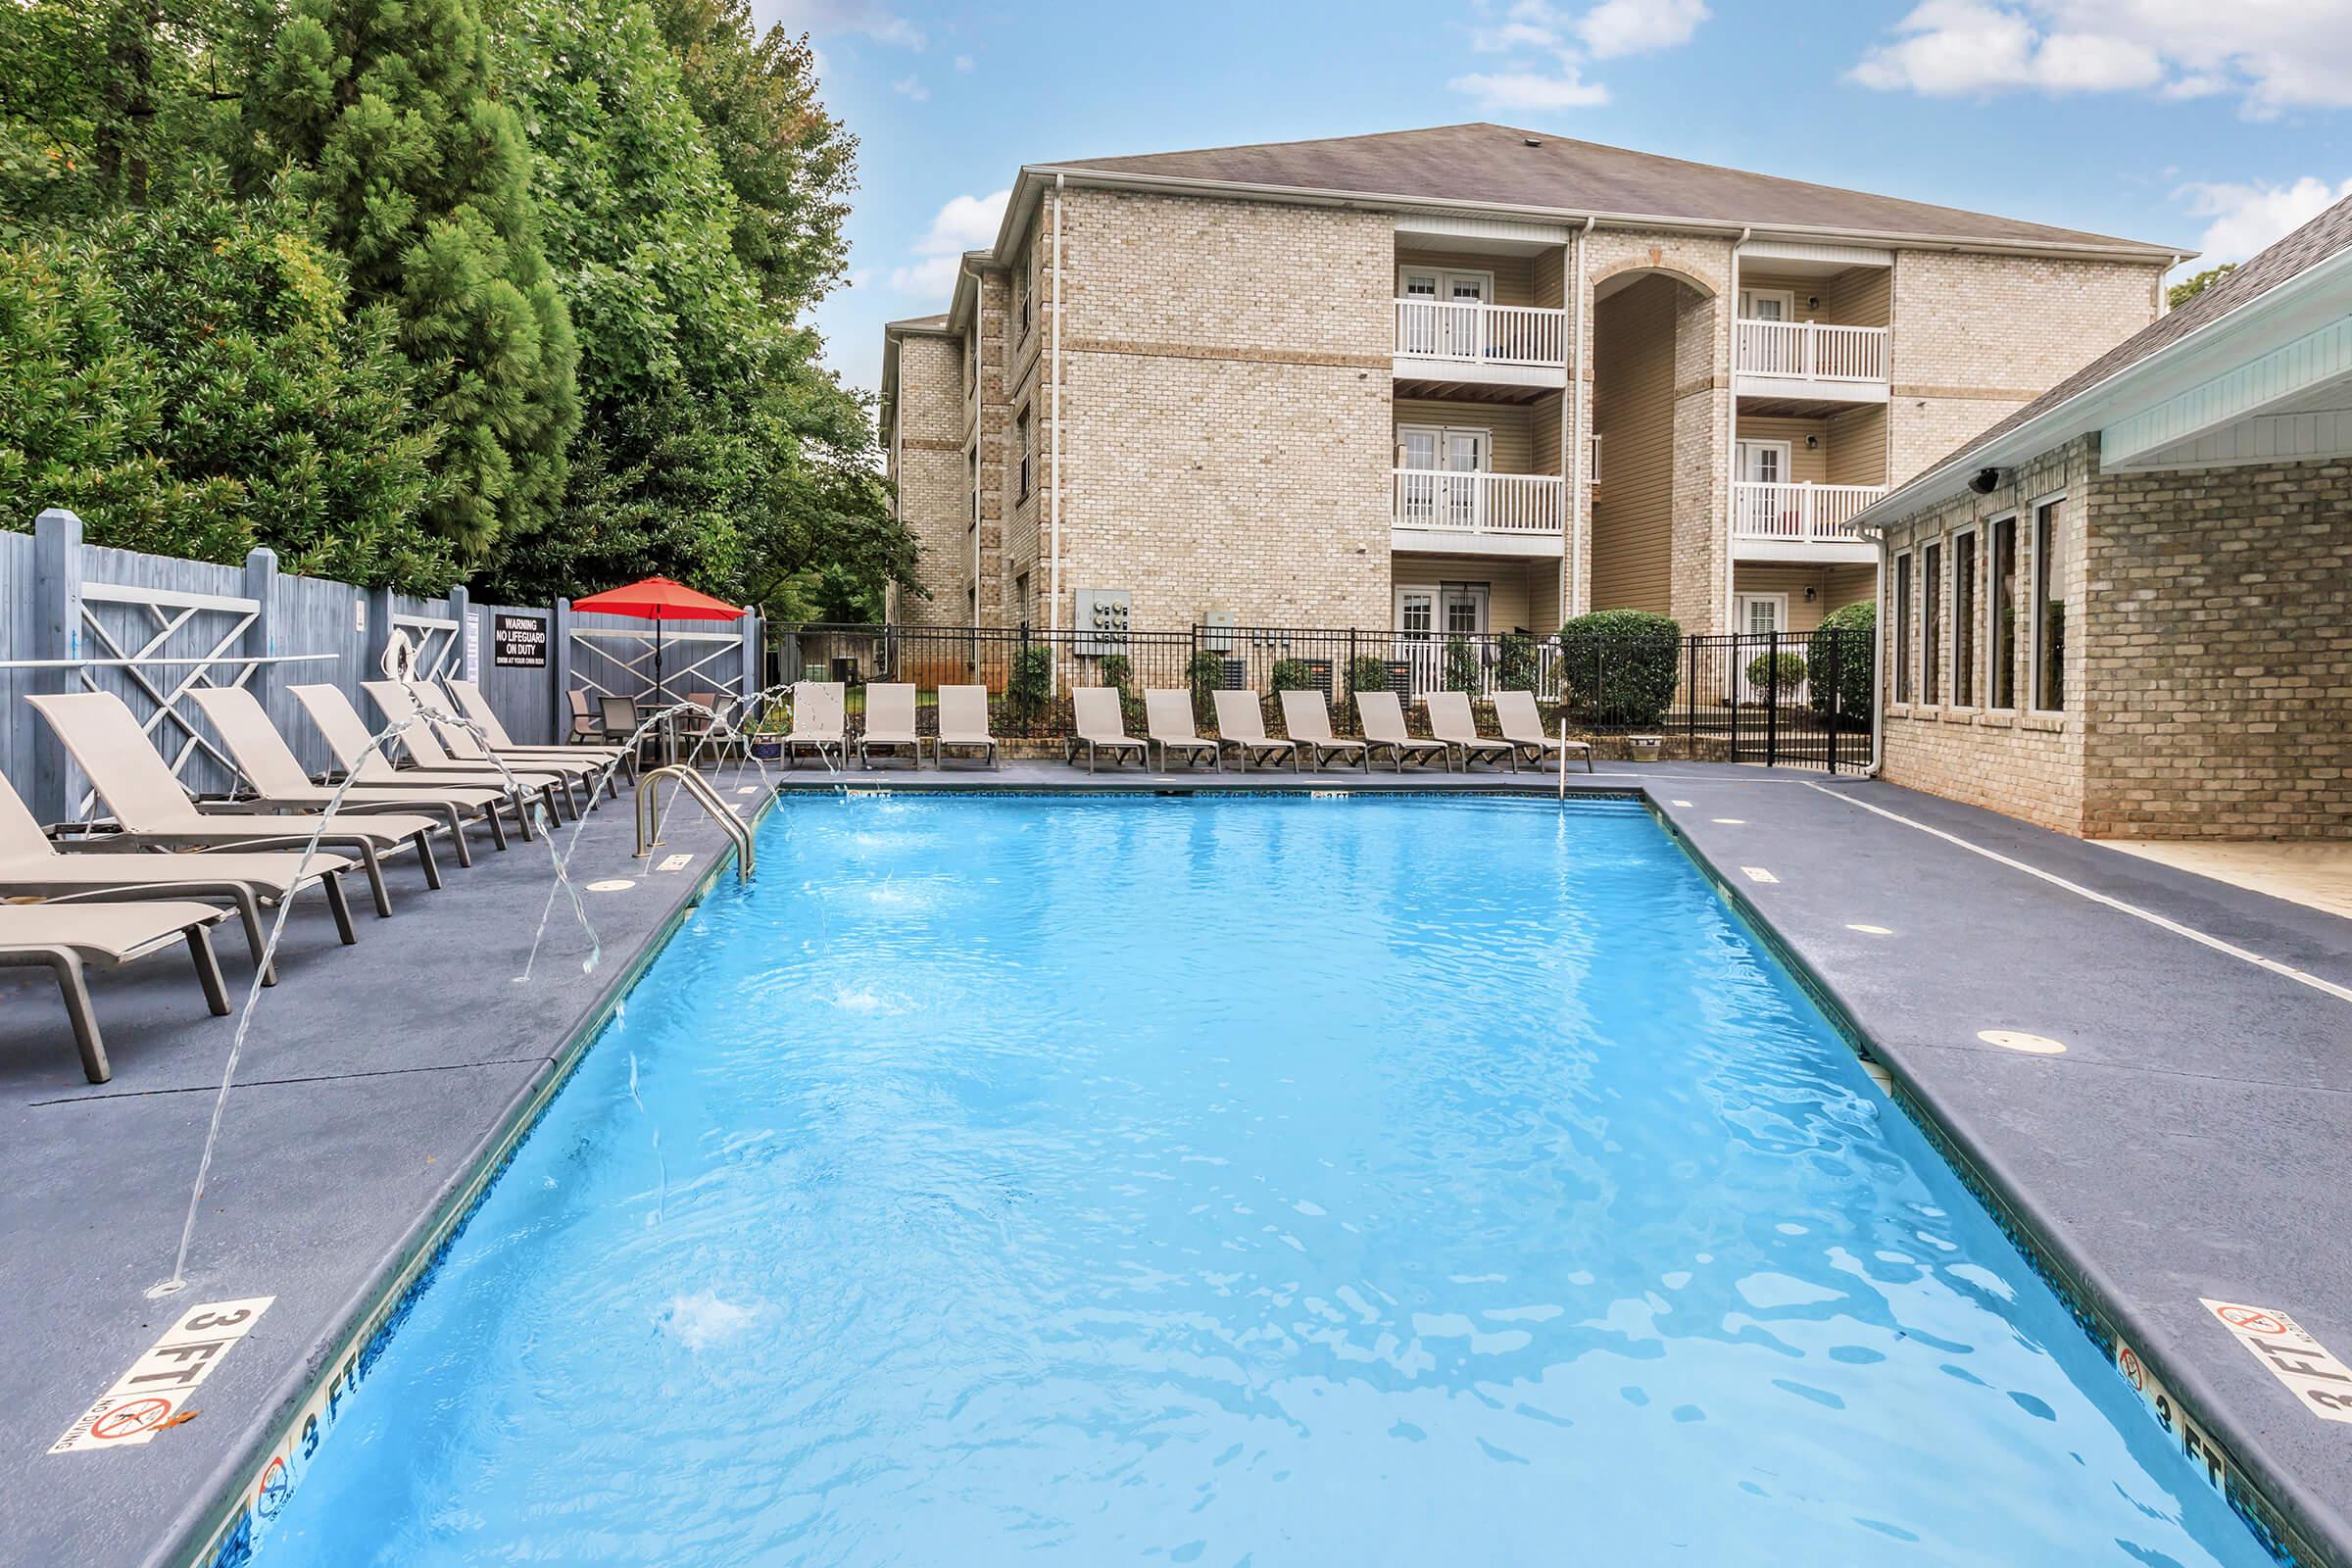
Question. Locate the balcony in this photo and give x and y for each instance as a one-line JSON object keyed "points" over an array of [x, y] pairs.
{"points": [[1469, 343], [1807, 362], [1800, 522], [1477, 514]]}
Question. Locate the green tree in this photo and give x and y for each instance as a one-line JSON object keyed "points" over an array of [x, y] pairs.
{"points": [[388, 111], [2188, 288]]}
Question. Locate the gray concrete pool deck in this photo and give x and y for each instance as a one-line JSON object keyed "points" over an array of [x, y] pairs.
{"points": [[2187, 1144]]}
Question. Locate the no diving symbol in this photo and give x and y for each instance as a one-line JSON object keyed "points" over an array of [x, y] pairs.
{"points": [[2250, 1319], [2133, 1370], [130, 1420], [272, 1494]]}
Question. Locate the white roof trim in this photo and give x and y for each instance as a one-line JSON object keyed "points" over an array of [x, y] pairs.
{"points": [[2287, 372], [1792, 250]]}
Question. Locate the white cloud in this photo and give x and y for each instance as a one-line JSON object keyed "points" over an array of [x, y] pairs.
{"points": [[964, 224], [911, 87], [2247, 217], [1517, 91], [1634, 27], [822, 17], [2274, 54], [963, 61]]}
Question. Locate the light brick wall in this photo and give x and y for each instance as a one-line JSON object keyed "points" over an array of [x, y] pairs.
{"points": [[934, 488]]}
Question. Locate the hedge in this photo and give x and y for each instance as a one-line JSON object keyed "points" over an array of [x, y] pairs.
{"points": [[1620, 666], [1854, 629]]}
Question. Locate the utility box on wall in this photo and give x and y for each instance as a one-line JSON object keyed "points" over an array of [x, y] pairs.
{"points": [[1101, 621], [1217, 638]]}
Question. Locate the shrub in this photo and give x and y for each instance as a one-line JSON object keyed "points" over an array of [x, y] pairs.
{"points": [[1461, 672], [1515, 662], [1369, 673], [1620, 666], [1117, 670], [1295, 676], [1776, 686], [1204, 672], [1027, 682], [1840, 653]]}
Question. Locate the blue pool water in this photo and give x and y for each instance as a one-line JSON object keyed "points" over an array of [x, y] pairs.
{"points": [[1233, 1181]]}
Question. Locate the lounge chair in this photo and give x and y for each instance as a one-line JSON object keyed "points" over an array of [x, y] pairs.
{"points": [[889, 722], [275, 773], [1309, 721], [963, 723], [474, 705], [399, 702], [818, 721], [67, 936], [1382, 718], [1242, 724], [1100, 728], [1168, 724], [30, 866], [1450, 721], [152, 809], [1516, 716], [354, 751]]}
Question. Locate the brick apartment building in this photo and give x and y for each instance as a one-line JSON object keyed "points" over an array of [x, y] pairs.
{"points": [[1462, 379]]}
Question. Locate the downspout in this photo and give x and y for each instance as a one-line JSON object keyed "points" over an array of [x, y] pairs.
{"points": [[1580, 450], [1053, 458], [1878, 664], [1730, 400]]}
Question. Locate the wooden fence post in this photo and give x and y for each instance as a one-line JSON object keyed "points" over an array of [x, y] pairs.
{"points": [[261, 638], [558, 664], [56, 634]]}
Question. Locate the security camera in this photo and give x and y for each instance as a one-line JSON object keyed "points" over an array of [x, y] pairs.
{"points": [[1985, 481]]}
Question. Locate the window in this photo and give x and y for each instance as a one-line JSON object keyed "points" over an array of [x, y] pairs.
{"points": [[1902, 627], [2004, 612], [1020, 442], [1964, 619], [1021, 305], [971, 470], [1592, 464], [1020, 597], [1763, 461], [1930, 615], [1767, 304], [2050, 606]]}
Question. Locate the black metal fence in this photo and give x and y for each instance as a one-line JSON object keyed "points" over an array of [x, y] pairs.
{"points": [[1799, 699]]}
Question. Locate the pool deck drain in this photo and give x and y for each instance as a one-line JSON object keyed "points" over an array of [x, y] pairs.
{"points": [[2187, 1146]]}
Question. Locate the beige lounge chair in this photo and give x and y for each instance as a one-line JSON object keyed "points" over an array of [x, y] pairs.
{"points": [[1100, 728], [889, 722], [275, 773], [355, 751], [1522, 724], [1382, 718], [424, 744], [1242, 724], [588, 726], [1450, 721], [30, 866], [152, 809], [66, 937], [818, 721], [963, 723], [1168, 723], [1309, 721], [474, 705]]}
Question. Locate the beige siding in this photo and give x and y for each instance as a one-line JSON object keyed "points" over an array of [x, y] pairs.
{"points": [[1831, 587], [1859, 296], [1805, 467], [1513, 426], [1521, 595], [1856, 448], [1633, 412], [1514, 275]]}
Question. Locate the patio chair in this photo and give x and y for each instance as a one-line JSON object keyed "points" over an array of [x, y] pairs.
{"points": [[31, 866], [1308, 719], [1100, 728], [588, 725], [1242, 724], [618, 715], [353, 748], [963, 723], [1382, 718], [274, 774], [713, 732], [68, 937], [889, 722], [1516, 716], [818, 721], [399, 705], [1168, 724], [443, 743], [1451, 721], [474, 705], [152, 809]]}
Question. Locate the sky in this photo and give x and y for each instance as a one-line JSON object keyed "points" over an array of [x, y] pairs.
{"points": [[2216, 126]]}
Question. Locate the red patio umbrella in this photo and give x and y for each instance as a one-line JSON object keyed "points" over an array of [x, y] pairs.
{"points": [[659, 600]]}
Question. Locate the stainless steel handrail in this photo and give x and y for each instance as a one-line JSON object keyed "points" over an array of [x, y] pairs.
{"points": [[648, 813]]}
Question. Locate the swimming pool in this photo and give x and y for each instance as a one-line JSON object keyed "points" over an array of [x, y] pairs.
{"points": [[1233, 1180]]}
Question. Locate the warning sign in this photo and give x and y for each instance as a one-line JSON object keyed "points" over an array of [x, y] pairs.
{"points": [[145, 1399], [2315, 1377]]}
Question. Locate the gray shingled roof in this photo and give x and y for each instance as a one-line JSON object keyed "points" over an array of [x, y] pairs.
{"points": [[2306, 247], [1495, 163]]}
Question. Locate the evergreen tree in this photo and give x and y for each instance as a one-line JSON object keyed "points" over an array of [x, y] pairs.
{"points": [[387, 112]]}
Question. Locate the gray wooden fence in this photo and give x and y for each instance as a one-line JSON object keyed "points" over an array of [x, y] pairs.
{"points": [[77, 616]]}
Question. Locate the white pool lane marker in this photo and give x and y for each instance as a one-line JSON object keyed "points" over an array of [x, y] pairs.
{"points": [[675, 863], [2321, 1383], [1757, 873], [159, 1385], [2204, 939]]}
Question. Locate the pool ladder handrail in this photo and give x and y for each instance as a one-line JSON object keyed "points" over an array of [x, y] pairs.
{"points": [[698, 787]]}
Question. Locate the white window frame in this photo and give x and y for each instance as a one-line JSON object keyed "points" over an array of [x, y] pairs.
{"points": [[1438, 434], [1786, 297], [1444, 277], [1593, 462], [1993, 606], [1743, 445], [1976, 654], [1744, 597], [2031, 514], [1906, 684], [1935, 560]]}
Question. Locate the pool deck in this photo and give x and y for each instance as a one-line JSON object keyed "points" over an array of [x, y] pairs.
{"points": [[2188, 1142]]}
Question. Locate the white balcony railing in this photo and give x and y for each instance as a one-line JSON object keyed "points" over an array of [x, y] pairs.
{"points": [[1799, 514], [1531, 335], [1812, 351], [1519, 504]]}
